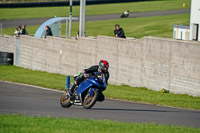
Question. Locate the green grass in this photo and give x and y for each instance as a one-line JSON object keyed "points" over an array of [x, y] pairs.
{"points": [[161, 26], [138, 94], [44, 12], [144, 95], [38, 78], [30, 124]]}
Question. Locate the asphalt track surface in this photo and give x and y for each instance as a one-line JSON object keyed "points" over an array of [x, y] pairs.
{"points": [[30, 100], [39, 21]]}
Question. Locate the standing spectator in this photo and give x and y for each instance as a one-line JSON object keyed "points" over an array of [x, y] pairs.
{"points": [[119, 32], [48, 31], [16, 33], [20, 30], [24, 32]]}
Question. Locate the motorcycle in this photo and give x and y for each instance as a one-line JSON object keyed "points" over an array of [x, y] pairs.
{"points": [[87, 93]]}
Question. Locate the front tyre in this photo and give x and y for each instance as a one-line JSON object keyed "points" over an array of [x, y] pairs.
{"points": [[65, 100], [90, 100]]}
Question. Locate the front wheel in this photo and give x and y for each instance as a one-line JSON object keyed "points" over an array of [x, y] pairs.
{"points": [[90, 99], [65, 100]]}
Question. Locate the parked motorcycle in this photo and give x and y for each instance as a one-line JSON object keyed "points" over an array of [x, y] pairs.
{"points": [[87, 93]]}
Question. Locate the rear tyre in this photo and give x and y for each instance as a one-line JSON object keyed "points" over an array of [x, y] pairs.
{"points": [[6, 58], [89, 101], [65, 100], [6, 61], [6, 55]]}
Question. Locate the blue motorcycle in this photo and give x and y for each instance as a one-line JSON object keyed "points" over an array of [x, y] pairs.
{"points": [[87, 93]]}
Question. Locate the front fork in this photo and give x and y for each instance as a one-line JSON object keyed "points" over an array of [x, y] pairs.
{"points": [[91, 91]]}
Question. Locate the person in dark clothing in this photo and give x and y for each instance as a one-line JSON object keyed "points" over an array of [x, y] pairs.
{"points": [[48, 31], [119, 32], [102, 67], [24, 32]]}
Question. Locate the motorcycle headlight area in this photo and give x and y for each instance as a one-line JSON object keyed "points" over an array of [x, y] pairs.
{"points": [[99, 79]]}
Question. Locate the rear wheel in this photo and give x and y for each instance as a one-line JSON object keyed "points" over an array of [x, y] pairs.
{"points": [[6, 55], [6, 58], [90, 100], [65, 100], [6, 61]]}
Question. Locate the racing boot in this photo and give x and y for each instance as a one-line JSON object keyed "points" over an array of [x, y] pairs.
{"points": [[101, 97], [72, 88]]}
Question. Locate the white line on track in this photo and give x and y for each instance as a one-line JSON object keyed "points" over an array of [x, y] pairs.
{"points": [[48, 89]]}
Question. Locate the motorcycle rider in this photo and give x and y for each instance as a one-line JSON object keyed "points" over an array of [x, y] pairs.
{"points": [[125, 14], [102, 67]]}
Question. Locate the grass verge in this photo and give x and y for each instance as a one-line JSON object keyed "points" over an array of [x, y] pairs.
{"points": [[27, 124], [124, 92], [45, 12], [161, 26]]}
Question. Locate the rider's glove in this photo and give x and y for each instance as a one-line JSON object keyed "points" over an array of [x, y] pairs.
{"points": [[85, 75]]}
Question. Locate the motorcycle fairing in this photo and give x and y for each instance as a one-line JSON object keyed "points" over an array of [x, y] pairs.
{"points": [[95, 83], [83, 87]]}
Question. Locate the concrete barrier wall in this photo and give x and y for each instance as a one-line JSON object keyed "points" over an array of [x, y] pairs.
{"points": [[151, 62], [53, 55], [8, 44], [185, 68], [156, 63]]}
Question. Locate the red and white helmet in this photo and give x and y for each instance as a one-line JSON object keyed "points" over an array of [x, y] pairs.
{"points": [[103, 65]]}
